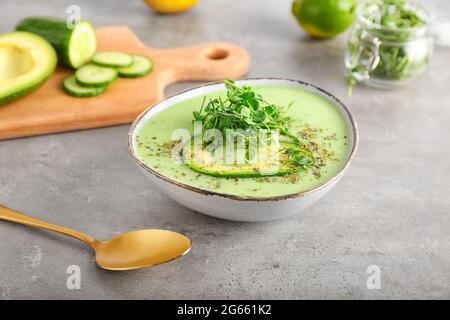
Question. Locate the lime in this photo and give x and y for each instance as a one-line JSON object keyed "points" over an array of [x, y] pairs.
{"points": [[324, 18]]}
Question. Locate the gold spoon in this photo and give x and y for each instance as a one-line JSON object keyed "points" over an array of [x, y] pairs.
{"points": [[133, 250]]}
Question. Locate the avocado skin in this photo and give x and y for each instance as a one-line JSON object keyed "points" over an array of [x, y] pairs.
{"points": [[24, 92], [243, 174]]}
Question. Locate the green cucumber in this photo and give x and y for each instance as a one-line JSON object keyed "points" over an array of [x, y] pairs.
{"points": [[72, 87], [91, 75], [140, 67], [75, 46], [112, 59]]}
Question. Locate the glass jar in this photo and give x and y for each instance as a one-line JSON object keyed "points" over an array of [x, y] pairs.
{"points": [[387, 57]]}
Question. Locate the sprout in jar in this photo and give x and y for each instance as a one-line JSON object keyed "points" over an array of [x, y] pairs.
{"points": [[389, 45]]}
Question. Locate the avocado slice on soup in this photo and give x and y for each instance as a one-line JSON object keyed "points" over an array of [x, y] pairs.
{"points": [[268, 161]]}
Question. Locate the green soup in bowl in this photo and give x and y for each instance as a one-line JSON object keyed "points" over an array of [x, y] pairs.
{"points": [[319, 122]]}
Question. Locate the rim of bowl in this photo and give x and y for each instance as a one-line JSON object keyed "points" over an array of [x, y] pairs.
{"points": [[354, 129]]}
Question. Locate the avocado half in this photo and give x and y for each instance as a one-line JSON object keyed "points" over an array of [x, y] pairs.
{"points": [[26, 62]]}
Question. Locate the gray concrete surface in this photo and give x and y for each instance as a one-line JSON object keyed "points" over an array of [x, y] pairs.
{"points": [[390, 210]]}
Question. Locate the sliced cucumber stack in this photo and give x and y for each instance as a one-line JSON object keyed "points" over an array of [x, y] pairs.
{"points": [[112, 59], [72, 87], [91, 75], [93, 78], [140, 67]]}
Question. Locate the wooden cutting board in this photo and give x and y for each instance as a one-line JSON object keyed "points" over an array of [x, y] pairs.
{"points": [[50, 109]]}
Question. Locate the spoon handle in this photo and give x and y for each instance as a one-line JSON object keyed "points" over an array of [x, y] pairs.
{"points": [[14, 216]]}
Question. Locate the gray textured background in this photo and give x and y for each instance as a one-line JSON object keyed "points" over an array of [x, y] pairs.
{"points": [[391, 209]]}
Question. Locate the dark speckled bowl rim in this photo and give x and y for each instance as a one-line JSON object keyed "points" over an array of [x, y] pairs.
{"points": [[350, 158]]}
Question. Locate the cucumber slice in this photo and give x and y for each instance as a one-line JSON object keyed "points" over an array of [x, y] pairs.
{"points": [[72, 87], [140, 67], [82, 45], [112, 59], [75, 46], [91, 75]]}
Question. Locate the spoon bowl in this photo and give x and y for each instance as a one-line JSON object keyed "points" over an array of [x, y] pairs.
{"points": [[140, 249]]}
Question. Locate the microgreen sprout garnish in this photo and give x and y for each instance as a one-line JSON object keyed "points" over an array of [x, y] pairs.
{"points": [[300, 157], [395, 14], [244, 110]]}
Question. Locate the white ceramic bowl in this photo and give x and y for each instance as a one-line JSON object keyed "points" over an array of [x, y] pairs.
{"points": [[230, 207]]}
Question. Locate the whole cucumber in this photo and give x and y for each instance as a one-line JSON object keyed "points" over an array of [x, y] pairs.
{"points": [[75, 45]]}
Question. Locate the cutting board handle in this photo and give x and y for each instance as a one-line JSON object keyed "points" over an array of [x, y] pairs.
{"points": [[212, 61]]}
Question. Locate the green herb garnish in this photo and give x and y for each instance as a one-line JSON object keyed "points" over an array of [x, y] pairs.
{"points": [[404, 48], [394, 14], [244, 109]]}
